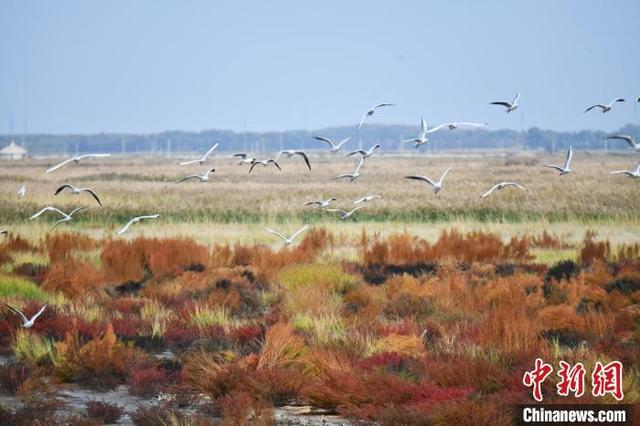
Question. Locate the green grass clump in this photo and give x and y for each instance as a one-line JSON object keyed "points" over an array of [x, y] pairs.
{"points": [[32, 348], [331, 276], [14, 287]]}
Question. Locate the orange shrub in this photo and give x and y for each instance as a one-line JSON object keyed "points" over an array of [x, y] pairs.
{"points": [[72, 277]]}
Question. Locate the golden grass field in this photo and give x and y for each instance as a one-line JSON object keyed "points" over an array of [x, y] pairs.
{"points": [[235, 205]]}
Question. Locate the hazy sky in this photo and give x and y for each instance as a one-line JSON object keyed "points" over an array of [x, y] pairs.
{"points": [[146, 66]]}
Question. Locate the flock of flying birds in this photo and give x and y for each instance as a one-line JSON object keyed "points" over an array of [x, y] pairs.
{"points": [[361, 155]]}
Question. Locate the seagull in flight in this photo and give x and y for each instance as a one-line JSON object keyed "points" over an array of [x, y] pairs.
{"points": [[437, 185], [76, 160], [323, 204], [344, 215], [26, 323], [372, 111], [366, 199], [291, 152], [76, 190], [264, 163], [510, 106], [202, 159], [567, 162], [422, 136], [500, 186], [365, 154], [334, 147], [65, 217], [628, 139], [287, 241], [136, 220], [244, 158], [635, 173], [4, 232], [604, 108], [456, 125], [203, 178], [356, 172], [22, 191]]}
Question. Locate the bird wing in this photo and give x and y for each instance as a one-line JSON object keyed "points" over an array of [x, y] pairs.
{"points": [[625, 138], [313, 202], [37, 314], [48, 209], [276, 233], [188, 177], [186, 163], [637, 170], [324, 140], [337, 211], [423, 126], [438, 127], [360, 163], [516, 185], [502, 103], [422, 178], [93, 194], [304, 156], [342, 142], [618, 172], [346, 175], [148, 216], [553, 166], [568, 158], [360, 151], [594, 106], [62, 188], [57, 166], [470, 124], [382, 105], [356, 209], [76, 210], [94, 156], [276, 164], [213, 148], [493, 188], [17, 312], [240, 155], [617, 100], [362, 119], [253, 165], [124, 228], [515, 100], [299, 231], [446, 172]]}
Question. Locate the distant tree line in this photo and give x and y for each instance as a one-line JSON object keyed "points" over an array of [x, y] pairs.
{"points": [[389, 136]]}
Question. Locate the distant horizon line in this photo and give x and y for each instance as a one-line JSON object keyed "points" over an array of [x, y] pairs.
{"points": [[327, 128]]}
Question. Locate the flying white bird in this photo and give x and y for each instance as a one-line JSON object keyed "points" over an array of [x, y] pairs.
{"points": [[344, 215], [334, 147], [456, 125], [437, 185], [366, 199], [365, 154], [4, 232], [510, 106], [264, 163], [22, 191], [567, 163], [65, 217], [291, 152], [628, 139], [500, 186], [203, 178], [372, 111], [76, 160], [356, 172], [26, 323], [604, 108], [76, 190], [136, 220], [422, 136], [202, 159], [635, 173], [288, 241], [323, 204], [244, 158]]}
